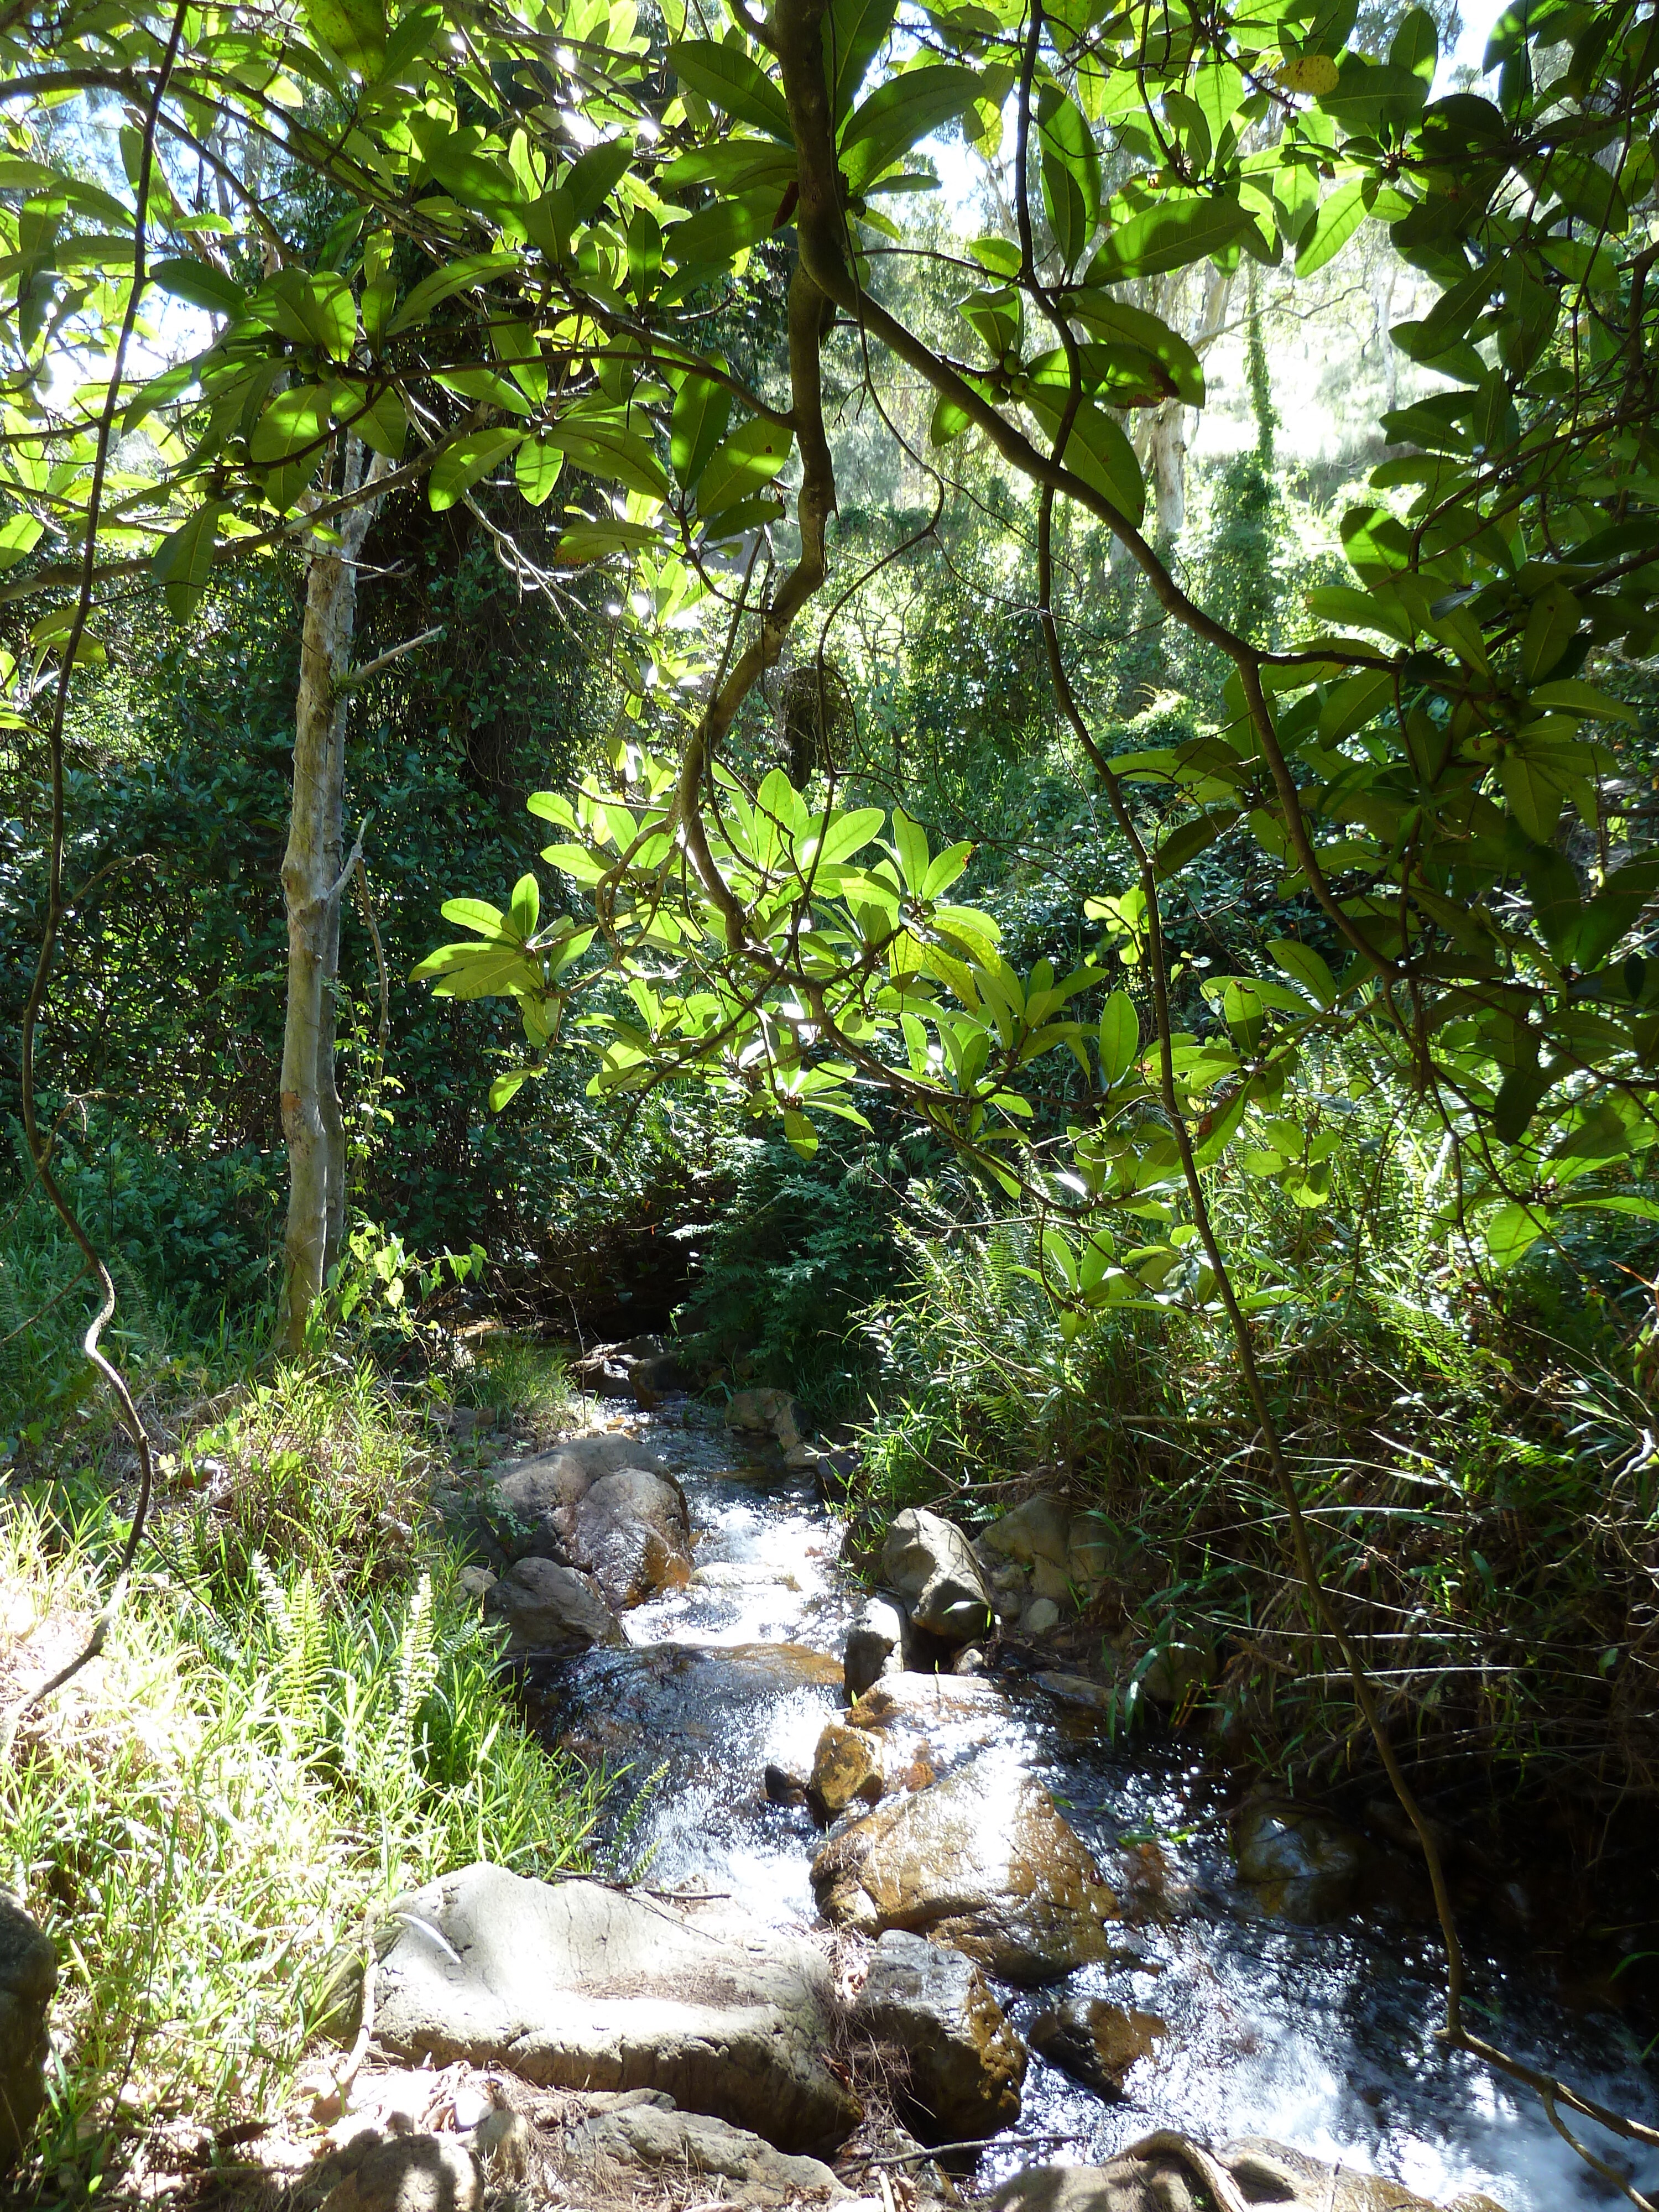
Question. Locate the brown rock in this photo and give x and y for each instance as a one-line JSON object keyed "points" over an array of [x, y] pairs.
{"points": [[631, 1532], [548, 1607], [1097, 2042], [846, 1766], [532, 1506], [931, 1564], [28, 1975], [982, 1860], [965, 2065]]}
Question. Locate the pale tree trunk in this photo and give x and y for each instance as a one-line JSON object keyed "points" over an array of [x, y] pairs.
{"points": [[314, 879]]}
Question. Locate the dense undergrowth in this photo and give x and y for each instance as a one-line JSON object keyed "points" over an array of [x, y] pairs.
{"points": [[299, 1713], [1478, 1462]]}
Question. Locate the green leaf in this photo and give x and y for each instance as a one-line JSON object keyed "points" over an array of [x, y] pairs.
{"points": [[355, 29], [912, 847], [1120, 1039], [1335, 224], [1115, 320], [536, 468], [1552, 625], [727, 77], [944, 869], [744, 465], [702, 410], [443, 283], [1306, 967], [1172, 235], [1070, 172], [19, 534], [200, 284], [527, 907], [459, 465], [183, 561], [1191, 838], [1511, 1233], [898, 113], [1535, 795], [610, 446], [384, 426], [855, 32], [593, 176], [1096, 450], [294, 420], [507, 1087], [1517, 1101], [802, 1137], [1570, 696]]}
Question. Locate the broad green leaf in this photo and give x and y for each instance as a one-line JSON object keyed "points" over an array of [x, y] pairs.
{"points": [[899, 113], [526, 907], [1512, 1232], [536, 469], [610, 446], [728, 79], [474, 914], [19, 534], [1302, 963], [459, 276], [183, 563], [912, 847], [459, 465], [702, 410], [1337, 218], [593, 176], [1552, 625], [1070, 172], [200, 284], [294, 420], [1169, 236], [1096, 450], [744, 465], [1534, 796], [1569, 695], [855, 32], [355, 29], [1120, 1039], [384, 426], [1113, 319]]}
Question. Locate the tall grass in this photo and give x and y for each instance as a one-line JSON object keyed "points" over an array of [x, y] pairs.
{"points": [[1477, 1461], [299, 1713]]}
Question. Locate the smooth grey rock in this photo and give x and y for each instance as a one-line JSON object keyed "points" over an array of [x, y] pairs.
{"points": [[28, 1975], [654, 2144], [548, 1607], [1176, 1670], [1300, 1865], [1040, 1617], [532, 1506], [982, 1860], [1273, 2174], [875, 1646], [405, 2173], [631, 1532], [582, 1987], [931, 1564], [966, 2065]]}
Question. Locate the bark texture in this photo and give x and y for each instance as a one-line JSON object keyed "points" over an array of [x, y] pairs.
{"points": [[314, 879]]}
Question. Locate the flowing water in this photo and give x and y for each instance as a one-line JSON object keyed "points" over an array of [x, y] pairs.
{"points": [[1321, 2037]]}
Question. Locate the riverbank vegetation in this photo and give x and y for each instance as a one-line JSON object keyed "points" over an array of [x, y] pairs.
{"points": [[1025, 810]]}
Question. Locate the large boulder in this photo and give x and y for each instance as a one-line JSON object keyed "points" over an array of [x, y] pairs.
{"points": [[1097, 2042], [846, 1766], [1299, 1864], [548, 1607], [532, 1507], [982, 1860], [28, 1975], [1045, 1551], [631, 1532], [639, 2145], [875, 1646], [931, 1566], [965, 2065], [579, 1986], [1166, 2173]]}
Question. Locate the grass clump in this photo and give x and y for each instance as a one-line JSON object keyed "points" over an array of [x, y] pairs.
{"points": [[299, 1712]]}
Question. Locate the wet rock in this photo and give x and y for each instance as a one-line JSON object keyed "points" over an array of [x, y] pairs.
{"points": [[766, 1412], [548, 1607], [652, 2145], [573, 1986], [929, 1723], [1079, 1692], [740, 1574], [1097, 2042], [966, 2065], [654, 1377], [28, 1975], [1299, 1864], [532, 1507], [631, 1532], [970, 1660], [405, 2173], [847, 1765], [1272, 2174], [875, 1646], [982, 1860], [931, 1564], [783, 1788]]}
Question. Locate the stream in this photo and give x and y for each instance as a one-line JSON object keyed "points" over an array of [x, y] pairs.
{"points": [[1320, 2037]]}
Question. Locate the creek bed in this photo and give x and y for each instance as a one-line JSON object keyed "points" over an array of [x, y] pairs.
{"points": [[1320, 2037]]}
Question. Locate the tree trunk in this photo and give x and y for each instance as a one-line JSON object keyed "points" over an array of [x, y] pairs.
{"points": [[314, 883]]}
